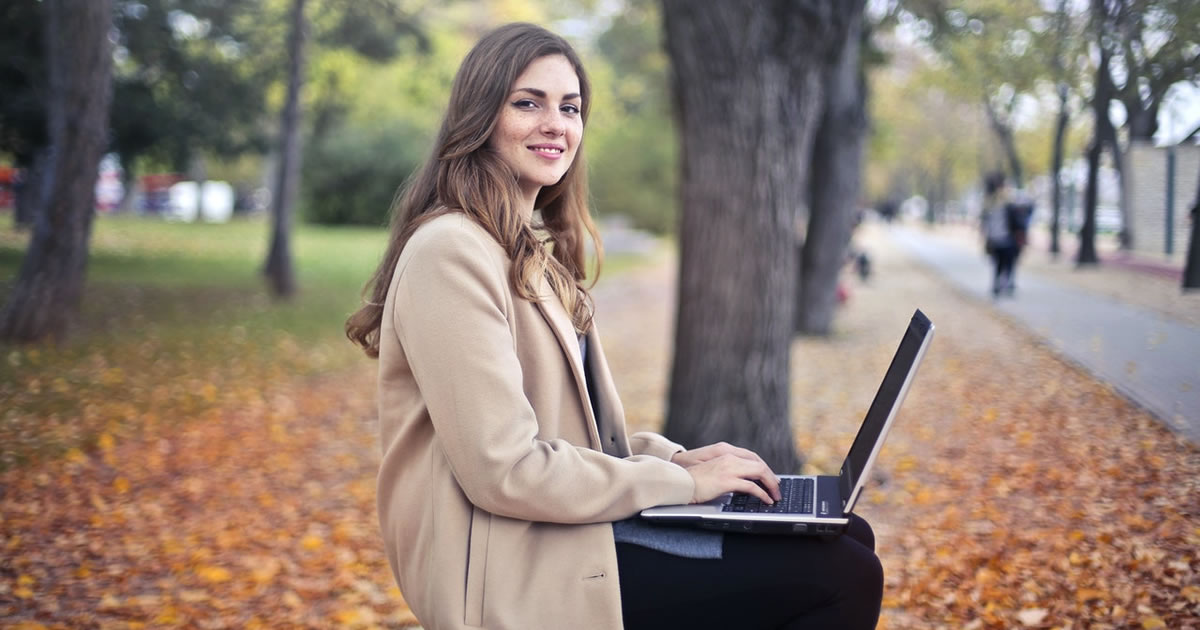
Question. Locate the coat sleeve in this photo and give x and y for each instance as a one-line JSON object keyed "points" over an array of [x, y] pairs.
{"points": [[647, 443], [450, 313]]}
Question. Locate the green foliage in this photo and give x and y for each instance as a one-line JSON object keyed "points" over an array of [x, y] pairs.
{"points": [[189, 79], [631, 141], [351, 177], [634, 171]]}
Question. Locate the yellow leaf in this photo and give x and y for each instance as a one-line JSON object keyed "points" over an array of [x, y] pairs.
{"points": [[76, 456], [214, 574], [311, 542], [83, 571], [106, 442], [292, 599], [1151, 623], [26, 580], [121, 485], [192, 596], [169, 616], [23, 592], [1191, 593]]}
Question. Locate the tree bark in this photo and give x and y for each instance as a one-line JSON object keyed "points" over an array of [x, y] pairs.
{"points": [[36, 182], [1101, 130], [1087, 234], [747, 88], [280, 274], [1056, 160], [1004, 133], [1108, 135], [49, 286], [836, 170], [1191, 271]]}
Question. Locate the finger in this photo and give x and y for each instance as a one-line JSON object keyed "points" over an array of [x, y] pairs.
{"points": [[759, 476], [749, 487], [769, 481], [746, 453]]}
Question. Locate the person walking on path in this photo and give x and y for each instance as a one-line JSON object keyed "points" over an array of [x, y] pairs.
{"points": [[508, 484], [1003, 224]]}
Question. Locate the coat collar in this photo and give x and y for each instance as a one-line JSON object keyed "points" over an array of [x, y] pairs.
{"points": [[560, 322]]}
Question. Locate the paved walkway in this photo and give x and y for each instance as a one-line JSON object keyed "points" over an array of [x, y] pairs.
{"points": [[1150, 359]]}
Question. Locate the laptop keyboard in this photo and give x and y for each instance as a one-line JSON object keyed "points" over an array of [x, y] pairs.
{"points": [[797, 499]]}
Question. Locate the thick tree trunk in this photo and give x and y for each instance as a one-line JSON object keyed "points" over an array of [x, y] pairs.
{"points": [[835, 173], [49, 287], [747, 87], [1191, 271], [36, 182], [281, 276], [1056, 160]]}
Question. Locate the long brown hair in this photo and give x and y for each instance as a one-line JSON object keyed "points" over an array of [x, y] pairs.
{"points": [[465, 175]]}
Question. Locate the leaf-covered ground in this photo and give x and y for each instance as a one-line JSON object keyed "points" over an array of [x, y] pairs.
{"points": [[1015, 490]]}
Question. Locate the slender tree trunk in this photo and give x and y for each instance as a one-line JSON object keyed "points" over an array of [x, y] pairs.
{"points": [[50, 284], [198, 172], [747, 87], [836, 170], [1056, 160], [1109, 137], [279, 271], [128, 185], [1087, 234], [1004, 133], [1101, 130], [1191, 271]]}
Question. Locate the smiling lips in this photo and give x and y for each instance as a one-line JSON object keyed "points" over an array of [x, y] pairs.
{"points": [[548, 151]]}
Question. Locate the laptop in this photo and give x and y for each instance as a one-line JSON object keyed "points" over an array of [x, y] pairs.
{"points": [[815, 505]]}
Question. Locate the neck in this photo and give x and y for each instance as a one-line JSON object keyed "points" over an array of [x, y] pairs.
{"points": [[524, 204]]}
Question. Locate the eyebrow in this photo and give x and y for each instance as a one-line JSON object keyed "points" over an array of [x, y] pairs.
{"points": [[542, 94]]}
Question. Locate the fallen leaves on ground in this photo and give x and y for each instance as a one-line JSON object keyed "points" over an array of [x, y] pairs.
{"points": [[1015, 490]]}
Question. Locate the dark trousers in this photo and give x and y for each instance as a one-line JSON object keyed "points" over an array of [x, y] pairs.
{"points": [[1005, 259], [786, 582]]}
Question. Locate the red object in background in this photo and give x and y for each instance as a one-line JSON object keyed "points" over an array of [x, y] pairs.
{"points": [[156, 190], [843, 293], [8, 178], [160, 182]]}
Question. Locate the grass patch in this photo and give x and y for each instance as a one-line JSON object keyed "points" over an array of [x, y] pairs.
{"points": [[176, 321], [176, 324]]}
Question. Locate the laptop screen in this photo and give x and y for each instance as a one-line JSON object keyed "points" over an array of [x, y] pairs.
{"points": [[884, 407]]}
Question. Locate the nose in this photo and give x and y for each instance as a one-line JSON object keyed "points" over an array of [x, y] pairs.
{"points": [[553, 124]]}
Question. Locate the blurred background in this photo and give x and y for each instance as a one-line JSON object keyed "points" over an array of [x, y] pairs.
{"points": [[193, 193]]}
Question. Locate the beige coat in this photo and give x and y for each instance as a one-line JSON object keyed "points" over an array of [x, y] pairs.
{"points": [[495, 499]]}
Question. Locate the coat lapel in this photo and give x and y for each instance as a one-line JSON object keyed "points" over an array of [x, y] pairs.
{"points": [[556, 316]]}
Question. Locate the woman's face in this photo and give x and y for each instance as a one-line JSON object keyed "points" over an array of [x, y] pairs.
{"points": [[541, 124]]}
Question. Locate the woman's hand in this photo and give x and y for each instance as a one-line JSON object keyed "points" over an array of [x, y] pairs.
{"points": [[720, 468], [687, 459]]}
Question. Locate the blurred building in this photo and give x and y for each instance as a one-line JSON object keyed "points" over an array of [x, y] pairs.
{"points": [[1151, 176]]}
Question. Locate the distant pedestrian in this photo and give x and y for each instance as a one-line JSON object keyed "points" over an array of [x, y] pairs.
{"points": [[1004, 224]]}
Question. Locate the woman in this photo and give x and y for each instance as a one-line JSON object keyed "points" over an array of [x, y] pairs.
{"points": [[999, 240], [505, 457]]}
